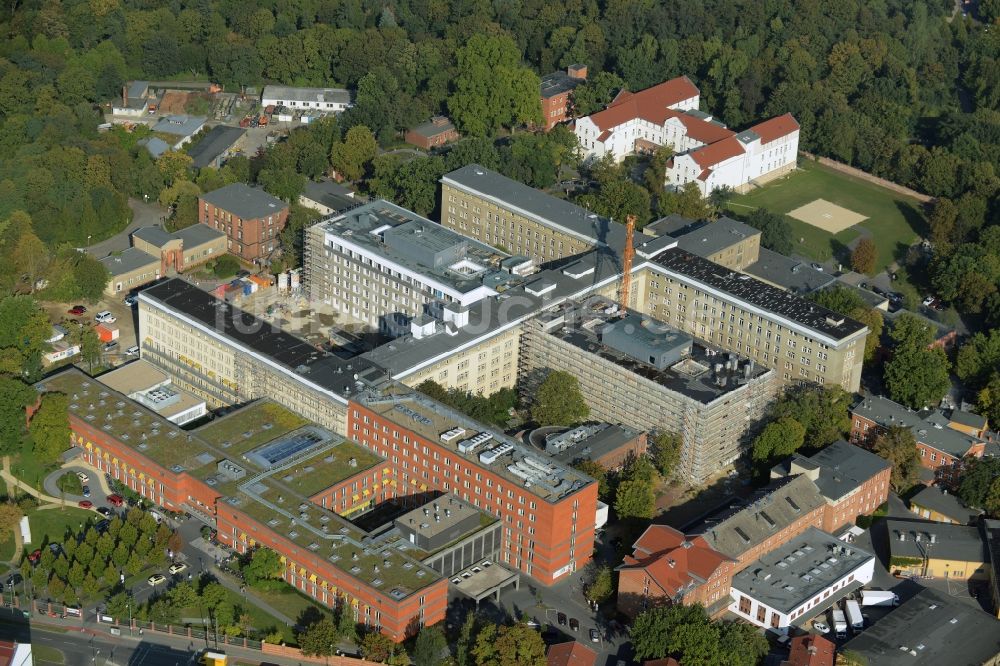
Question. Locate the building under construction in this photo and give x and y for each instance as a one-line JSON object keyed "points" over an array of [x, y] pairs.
{"points": [[639, 371]]}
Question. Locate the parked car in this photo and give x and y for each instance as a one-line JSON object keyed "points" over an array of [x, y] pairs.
{"points": [[86, 491], [821, 627], [132, 351], [14, 579], [927, 301], [177, 568], [108, 346], [34, 556], [574, 624], [156, 579], [818, 267], [83, 477], [131, 301], [105, 511], [115, 500], [561, 619], [595, 637], [105, 317], [77, 310], [85, 504]]}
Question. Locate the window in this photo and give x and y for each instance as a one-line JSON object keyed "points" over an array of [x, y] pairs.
{"points": [[745, 605]]}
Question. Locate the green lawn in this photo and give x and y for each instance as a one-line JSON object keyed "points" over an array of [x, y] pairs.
{"points": [[7, 546], [28, 470], [53, 523], [70, 484], [262, 621], [289, 602], [894, 220], [46, 654]]}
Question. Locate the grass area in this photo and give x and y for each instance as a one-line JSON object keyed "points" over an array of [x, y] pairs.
{"points": [[288, 601], [894, 221], [263, 622], [250, 427], [7, 547], [329, 467], [46, 654], [29, 470], [53, 523], [70, 484]]}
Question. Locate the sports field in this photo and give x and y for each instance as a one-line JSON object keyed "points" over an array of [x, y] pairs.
{"points": [[815, 192]]}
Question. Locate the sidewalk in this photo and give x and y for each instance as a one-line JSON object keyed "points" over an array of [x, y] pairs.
{"points": [[16, 483]]}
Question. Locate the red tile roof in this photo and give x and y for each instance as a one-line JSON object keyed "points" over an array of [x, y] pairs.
{"points": [[570, 653], [775, 128], [673, 561], [708, 156], [702, 130], [810, 650], [650, 104]]}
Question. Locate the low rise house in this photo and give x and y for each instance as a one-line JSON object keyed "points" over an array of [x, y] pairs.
{"points": [[941, 448], [316, 101], [136, 100], [969, 423], [933, 503], [156, 253], [216, 145], [155, 146], [557, 94], [251, 218], [570, 653], [129, 269], [930, 629], [436, 132], [800, 580], [181, 128], [811, 650], [329, 197], [921, 549]]}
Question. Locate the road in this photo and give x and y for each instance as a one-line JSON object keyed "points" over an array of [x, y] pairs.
{"points": [[98, 486], [143, 215]]}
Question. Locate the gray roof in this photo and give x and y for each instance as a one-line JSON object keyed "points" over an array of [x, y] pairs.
{"points": [[771, 510], [128, 260], [333, 195], [952, 542], [546, 209], [936, 499], [180, 125], [968, 419], [841, 468], [709, 238], [198, 234], [929, 427], [216, 141], [991, 532], [155, 146], [671, 225], [558, 82], [928, 630], [322, 95], [430, 128], [759, 294], [589, 442], [153, 235], [791, 274], [137, 89], [245, 201], [804, 566]]}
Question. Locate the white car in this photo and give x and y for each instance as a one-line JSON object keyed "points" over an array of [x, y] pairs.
{"points": [[132, 351], [105, 317], [156, 579], [83, 477], [177, 568], [821, 627], [927, 301]]}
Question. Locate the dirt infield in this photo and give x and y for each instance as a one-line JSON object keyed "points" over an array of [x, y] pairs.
{"points": [[827, 216], [173, 101]]}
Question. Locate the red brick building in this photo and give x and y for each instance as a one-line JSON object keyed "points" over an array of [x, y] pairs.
{"points": [[548, 511], [432, 134], [251, 218], [556, 93], [811, 650], [940, 444]]}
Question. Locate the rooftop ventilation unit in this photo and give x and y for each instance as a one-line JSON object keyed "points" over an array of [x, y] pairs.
{"points": [[470, 445]]}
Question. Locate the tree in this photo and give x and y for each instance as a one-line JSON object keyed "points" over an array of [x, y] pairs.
{"points": [[601, 585], [898, 446], [741, 644], [509, 645], [347, 627], [978, 475], [49, 427], [596, 93], [91, 277], [264, 564], [917, 378], [775, 232], [559, 401], [226, 266], [618, 199], [655, 174], [90, 346], [666, 452], [429, 646], [680, 630], [978, 358], [686, 202], [30, 257], [864, 256], [15, 396], [491, 88], [319, 639], [357, 150], [779, 439], [634, 498], [10, 516], [988, 399], [598, 473], [376, 646]]}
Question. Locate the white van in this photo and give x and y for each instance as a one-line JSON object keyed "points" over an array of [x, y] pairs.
{"points": [[157, 517]]}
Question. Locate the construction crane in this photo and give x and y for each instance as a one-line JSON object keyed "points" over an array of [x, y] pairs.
{"points": [[627, 255]]}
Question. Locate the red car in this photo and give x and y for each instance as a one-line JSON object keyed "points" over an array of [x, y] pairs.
{"points": [[35, 556], [85, 504], [115, 500], [77, 310]]}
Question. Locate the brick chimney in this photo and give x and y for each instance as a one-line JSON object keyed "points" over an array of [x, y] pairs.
{"points": [[577, 71]]}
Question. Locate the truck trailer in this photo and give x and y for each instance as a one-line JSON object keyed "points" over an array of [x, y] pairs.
{"points": [[879, 598], [854, 617], [839, 622]]}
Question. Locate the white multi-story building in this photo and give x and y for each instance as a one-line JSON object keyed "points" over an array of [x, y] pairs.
{"points": [[761, 153], [666, 114]]}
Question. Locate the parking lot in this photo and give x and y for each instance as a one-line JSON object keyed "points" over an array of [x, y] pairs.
{"points": [[126, 320]]}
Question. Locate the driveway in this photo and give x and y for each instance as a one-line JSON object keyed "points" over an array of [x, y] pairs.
{"points": [[143, 215], [98, 485]]}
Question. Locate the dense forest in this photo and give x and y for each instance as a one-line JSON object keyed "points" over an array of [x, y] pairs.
{"points": [[906, 90]]}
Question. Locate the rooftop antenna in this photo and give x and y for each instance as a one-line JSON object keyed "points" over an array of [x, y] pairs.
{"points": [[627, 255]]}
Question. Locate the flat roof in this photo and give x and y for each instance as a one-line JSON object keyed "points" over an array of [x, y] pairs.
{"points": [[518, 464], [708, 238], [951, 542], [591, 441], [792, 274], [693, 376], [413, 238], [557, 83], [301, 94], [180, 125], [807, 564], [129, 260], [437, 516], [330, 466], [244, 201], [758, 294], [216, 141], [135, 376], [929, 629], [316, 366]]}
